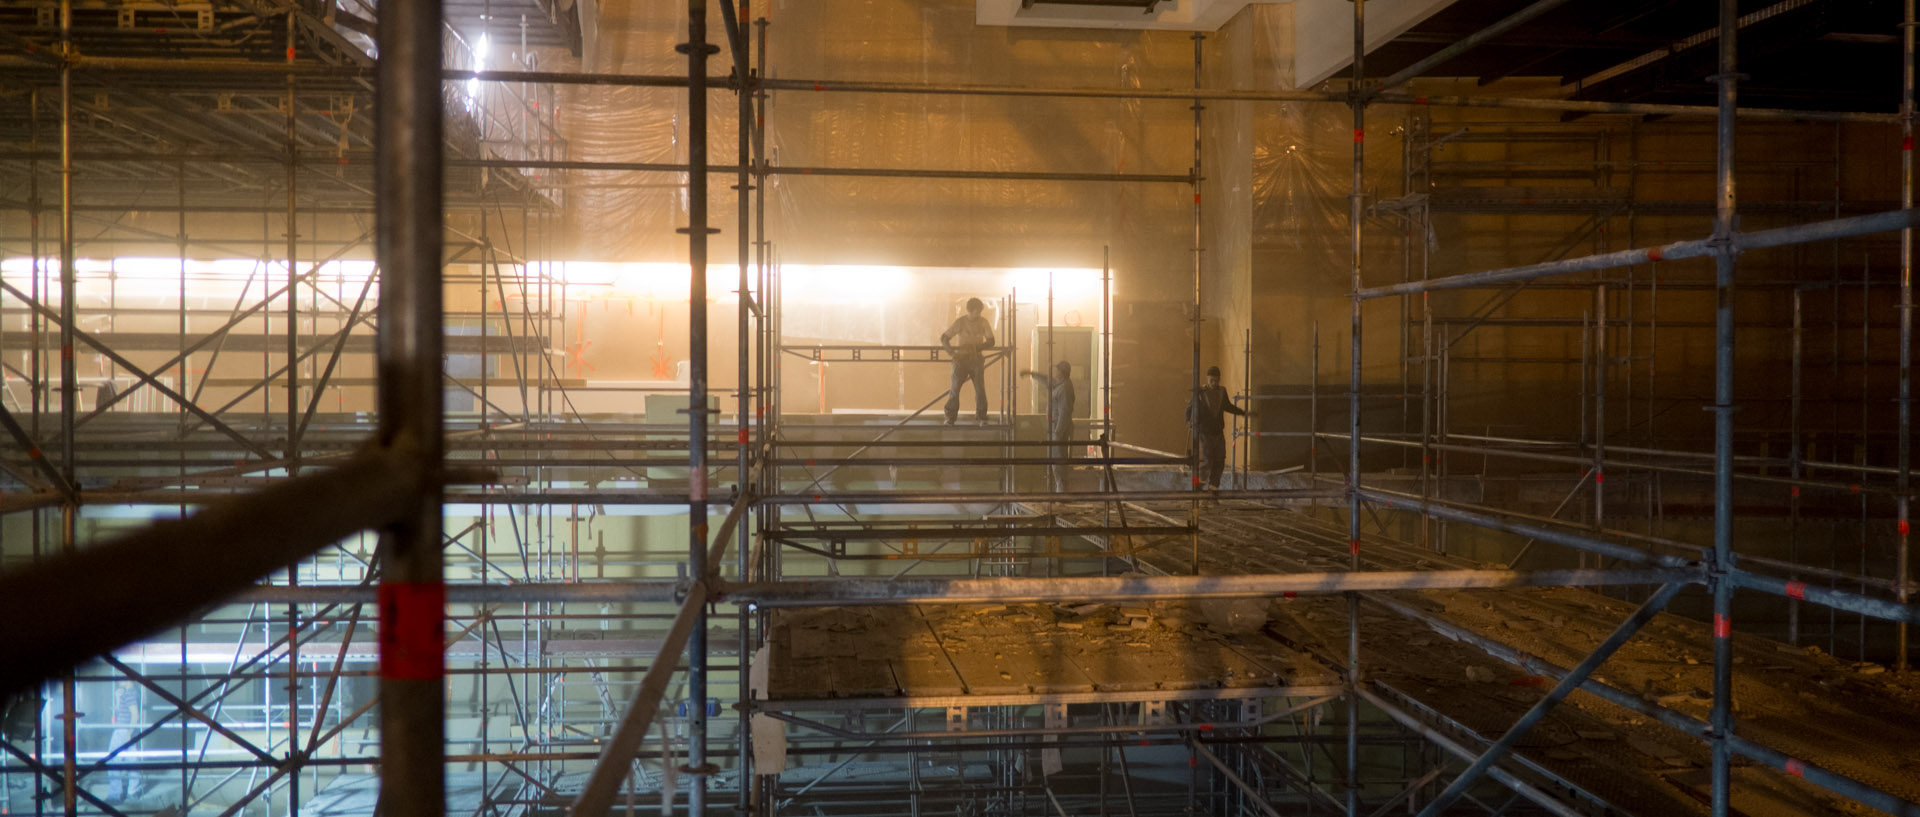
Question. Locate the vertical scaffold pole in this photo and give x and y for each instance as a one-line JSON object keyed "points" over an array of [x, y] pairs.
{"points": [[1795, 454], [1195, 442], [1724, 263], [1901, 567], [412, 597], [1355, 217], [697, 50], [766, 377], [69, 386], [293, 279], [743, 187], [1106, 343]]}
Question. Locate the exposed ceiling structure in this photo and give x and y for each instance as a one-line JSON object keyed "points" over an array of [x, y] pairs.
{"points": [[1175, 15], [1796, 54], [138, 100]]}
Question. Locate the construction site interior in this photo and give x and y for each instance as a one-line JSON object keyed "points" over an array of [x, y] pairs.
{"points": [[513, 408]]}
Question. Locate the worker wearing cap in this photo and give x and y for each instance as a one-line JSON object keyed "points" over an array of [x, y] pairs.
{"points": [[968, 337], [1206, 418], [1060, 403]]}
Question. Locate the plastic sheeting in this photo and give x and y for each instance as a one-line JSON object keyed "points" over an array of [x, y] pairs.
{"points": [[1303, 169], [1296, 192], [929, 222]]}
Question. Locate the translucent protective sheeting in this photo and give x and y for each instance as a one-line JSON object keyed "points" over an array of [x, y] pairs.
{"points": [[1303, 167], [919, 222], [1301, 224], [625, 215]]}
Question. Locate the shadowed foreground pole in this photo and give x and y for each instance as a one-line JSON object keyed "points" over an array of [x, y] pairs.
{"points": [[1355, 217], [1720, 578], [412, 598]]}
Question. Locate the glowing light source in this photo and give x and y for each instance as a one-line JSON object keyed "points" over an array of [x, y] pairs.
{"points": [[134, 276], [836, 284], [479, 64]]}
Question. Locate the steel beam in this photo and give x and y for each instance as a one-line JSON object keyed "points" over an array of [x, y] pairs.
{"points": [[1470, 42]]}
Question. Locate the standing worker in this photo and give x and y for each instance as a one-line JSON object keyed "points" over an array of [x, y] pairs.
{"points": [[968, 337], [123, 784], [1206, 418], [1060, 404]]}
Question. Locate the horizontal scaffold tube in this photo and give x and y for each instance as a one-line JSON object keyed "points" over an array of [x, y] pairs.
{"points": [[1696, 248], [857, 172], [164, 67], [1837, 599], [618, 592], [951, 462], [840, 592], [1559, 537], [908, 497]]}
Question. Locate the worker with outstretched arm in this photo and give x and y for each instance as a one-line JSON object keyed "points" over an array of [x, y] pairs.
{"points": [[1207, 420], [1060, 405]]}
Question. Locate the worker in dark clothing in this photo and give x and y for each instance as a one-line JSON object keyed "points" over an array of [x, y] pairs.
{"points": [[968, 337], [1206, 418], [1060, 405]]}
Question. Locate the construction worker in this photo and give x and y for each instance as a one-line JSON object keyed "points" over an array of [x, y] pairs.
{"points": [[122, 784], [1206, 419], [967, 339], [1060, 404]]}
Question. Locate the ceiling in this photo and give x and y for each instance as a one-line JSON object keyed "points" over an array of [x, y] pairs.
{"points": [[1795, 54], [1174, 15]]}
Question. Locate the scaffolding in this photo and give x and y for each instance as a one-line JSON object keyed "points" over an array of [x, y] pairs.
{"points": [[253, 694]]}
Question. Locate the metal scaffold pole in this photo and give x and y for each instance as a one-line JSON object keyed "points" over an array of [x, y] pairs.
{"points": [[1195, 440], [69, 394], [748, 307], [1720, 579], [697, 50], [1902, 568], [1356, 215], [293, 280], [412, 596]]}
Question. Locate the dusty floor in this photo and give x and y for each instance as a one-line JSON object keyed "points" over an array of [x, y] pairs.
{"points": [[996, 649], [1855, 719], [1858, 720]]}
